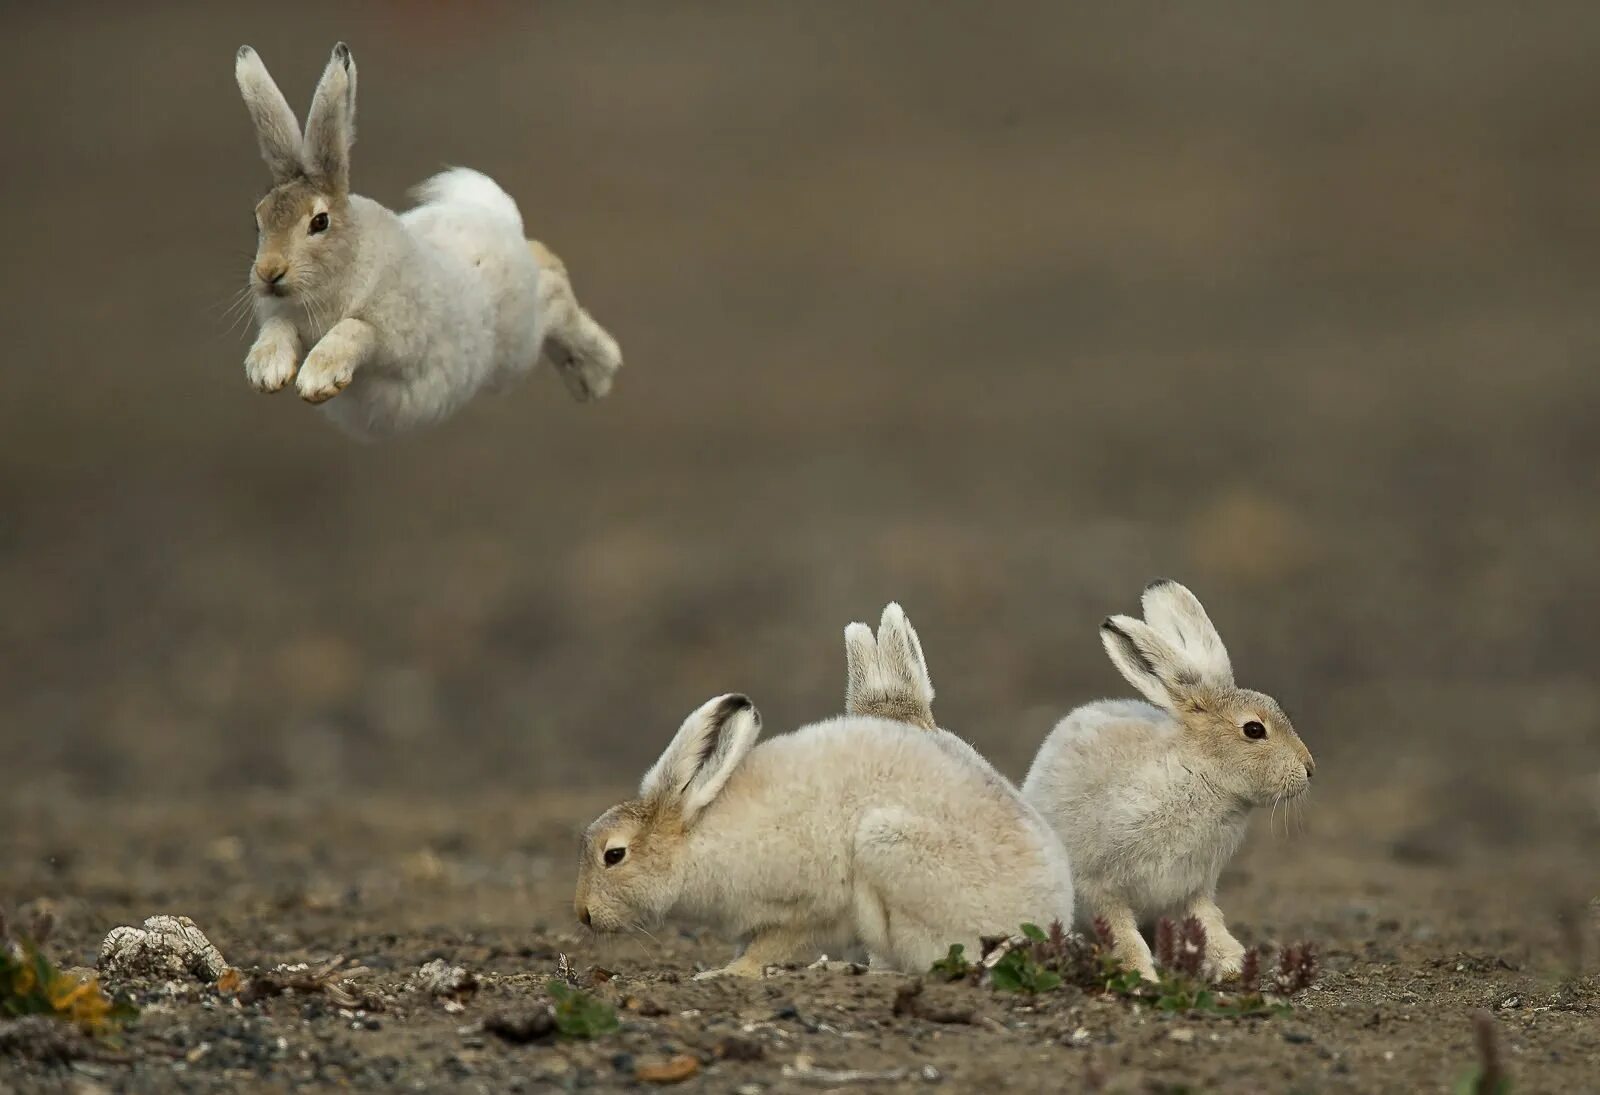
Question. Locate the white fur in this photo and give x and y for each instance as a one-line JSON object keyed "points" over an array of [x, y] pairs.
{"points": [[854, 830], [426, 307], [1151, 799]]}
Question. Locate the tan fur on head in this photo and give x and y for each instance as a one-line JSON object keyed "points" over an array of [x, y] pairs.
{"points": [[290, 256], [1176, 658], [630, 865], [615, 896], [295, 253]]}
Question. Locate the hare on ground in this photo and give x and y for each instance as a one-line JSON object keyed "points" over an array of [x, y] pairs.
{"points": [[854, 831], [1152, 798]]}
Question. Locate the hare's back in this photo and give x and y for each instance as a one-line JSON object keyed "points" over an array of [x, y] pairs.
{"points": [[873, 763]]}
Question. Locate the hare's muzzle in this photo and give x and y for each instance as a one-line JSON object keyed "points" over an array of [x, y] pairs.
{"points": [[270, 277]]}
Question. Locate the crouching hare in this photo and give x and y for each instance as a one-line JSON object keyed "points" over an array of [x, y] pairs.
{"points": [[854, 831], [1152, 799], [413, 313]]}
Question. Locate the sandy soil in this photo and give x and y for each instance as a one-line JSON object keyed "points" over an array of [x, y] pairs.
{"points": [[999, 313]]}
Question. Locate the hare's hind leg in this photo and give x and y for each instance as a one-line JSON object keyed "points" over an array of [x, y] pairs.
{"points": [[912, 900], [581, 350]]}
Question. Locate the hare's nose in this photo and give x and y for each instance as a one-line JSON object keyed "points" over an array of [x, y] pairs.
{"points": [[271, 273], [1311, 767], [583, 915]]}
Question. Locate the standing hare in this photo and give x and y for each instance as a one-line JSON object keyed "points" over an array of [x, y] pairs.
{"points": [[1152, 799], [406, 314]]}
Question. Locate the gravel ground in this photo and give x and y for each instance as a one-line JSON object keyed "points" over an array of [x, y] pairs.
{"points": [[998, 312]]}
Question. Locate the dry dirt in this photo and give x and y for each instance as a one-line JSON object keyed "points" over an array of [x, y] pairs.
{"points": [[997, 310]]}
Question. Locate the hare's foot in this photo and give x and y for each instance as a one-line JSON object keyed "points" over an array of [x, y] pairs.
{"points": [[1224, 953], [582, 352], [770, 948], [274, 358], [332, 363], [1128, 946]]}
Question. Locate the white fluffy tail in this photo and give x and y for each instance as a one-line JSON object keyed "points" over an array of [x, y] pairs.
{"points": [[886, 674], [462, 185]]}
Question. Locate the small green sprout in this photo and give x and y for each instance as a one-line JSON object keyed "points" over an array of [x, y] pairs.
{"points": [[580, 1015]]}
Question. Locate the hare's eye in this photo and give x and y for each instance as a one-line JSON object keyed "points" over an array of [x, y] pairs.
{"points": [[614, 856], [1254, 730], [319, 223]]}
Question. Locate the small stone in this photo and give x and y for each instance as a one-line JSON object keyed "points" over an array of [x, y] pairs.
{"points": [[731, 1048], [439, 978], [672, 1070], [521, 1027], [166, 947], [1182, 1035]]}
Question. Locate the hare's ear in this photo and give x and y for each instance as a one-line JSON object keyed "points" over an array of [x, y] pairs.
{"points": [[1146, 660], [277, 131], [331, 124], [888, 676], [860, 664], [703, 754], [1178, 616]]}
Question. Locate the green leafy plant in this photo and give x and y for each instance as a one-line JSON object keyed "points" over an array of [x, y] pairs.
{"points": [[1020, 968], [31, 984], [579, 1014], [953, 966]]}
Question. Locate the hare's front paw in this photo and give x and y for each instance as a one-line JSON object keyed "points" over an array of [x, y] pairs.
{"points": [[272, 361], [324, 375], [1224, 962]]}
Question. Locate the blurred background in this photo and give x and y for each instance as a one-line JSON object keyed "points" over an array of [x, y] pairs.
{"points": [[997, 310]]}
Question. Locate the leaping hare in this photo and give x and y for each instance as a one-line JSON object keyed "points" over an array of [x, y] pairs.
{"points": [[408, 315]]}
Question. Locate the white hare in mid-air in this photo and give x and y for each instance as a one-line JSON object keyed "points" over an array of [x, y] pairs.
{"points": [[408, 315], [1152, 799], [855, 831]]}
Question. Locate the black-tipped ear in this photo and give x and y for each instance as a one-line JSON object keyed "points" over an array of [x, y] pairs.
{"points": [[703, 754], [720, 720], [1126, 645], [1141, 656], [331, 123], [277, 130]]}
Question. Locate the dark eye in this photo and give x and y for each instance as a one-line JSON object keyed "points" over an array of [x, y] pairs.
{"points": [[319, 223], [1254, 730], [614, 856]]}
